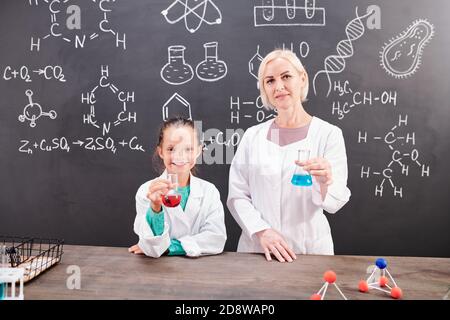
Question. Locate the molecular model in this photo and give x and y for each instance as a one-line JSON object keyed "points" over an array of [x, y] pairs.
{"points": [[371, 283], [330, 278]]}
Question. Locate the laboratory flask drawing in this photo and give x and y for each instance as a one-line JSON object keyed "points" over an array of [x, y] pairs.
{"points": [[176, 71], [33, 111], [211, 69]]}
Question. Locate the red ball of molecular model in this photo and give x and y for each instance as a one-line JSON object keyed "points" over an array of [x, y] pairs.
{"points": [[330, 278]]}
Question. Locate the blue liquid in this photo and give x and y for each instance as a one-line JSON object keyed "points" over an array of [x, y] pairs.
{"points": [[301, 180]]}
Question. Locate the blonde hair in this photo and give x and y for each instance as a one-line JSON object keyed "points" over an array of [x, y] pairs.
{"points": [[296, 63]]}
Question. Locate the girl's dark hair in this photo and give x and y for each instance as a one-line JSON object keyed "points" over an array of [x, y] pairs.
{"points": [[176, 122]]}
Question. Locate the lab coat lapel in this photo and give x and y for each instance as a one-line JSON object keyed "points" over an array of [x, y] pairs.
{"points": [[192, 208], [269, 156]]}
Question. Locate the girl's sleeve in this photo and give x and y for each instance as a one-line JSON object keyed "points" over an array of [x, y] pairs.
{"points": [[338, 193], [151, 244]]}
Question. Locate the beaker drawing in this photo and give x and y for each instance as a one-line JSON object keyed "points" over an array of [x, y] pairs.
{"points": [[33, 111], [211, 69], [301, 177], [176, 71]]}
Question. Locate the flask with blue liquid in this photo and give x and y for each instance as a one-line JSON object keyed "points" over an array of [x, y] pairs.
{"points": [[301, 177]]}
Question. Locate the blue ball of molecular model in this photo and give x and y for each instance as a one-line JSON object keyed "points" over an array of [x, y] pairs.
{"points": [[381, 263]]}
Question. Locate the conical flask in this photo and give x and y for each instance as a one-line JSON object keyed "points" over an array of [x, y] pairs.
{"points": [[301, 177]]}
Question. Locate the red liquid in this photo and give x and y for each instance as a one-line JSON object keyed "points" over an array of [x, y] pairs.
{"points": [[171, 200]]}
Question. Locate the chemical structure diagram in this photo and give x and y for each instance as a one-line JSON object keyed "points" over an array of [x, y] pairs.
{"points": [[355, 98], [58, 8], [398, 158], [33, 111], [123, 97], [236, 113]]}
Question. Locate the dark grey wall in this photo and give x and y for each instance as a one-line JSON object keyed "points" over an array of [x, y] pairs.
{"points": [[85, 195]]}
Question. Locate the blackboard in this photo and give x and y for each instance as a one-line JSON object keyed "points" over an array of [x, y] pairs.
{"points": [[86, 84]]}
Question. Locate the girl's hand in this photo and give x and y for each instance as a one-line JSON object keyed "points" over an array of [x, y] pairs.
{"points": [[135, 249], [320, 168], [273, 243], [156, 190]]}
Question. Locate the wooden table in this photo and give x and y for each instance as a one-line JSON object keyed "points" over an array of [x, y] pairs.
{"points": [[113, 273]]}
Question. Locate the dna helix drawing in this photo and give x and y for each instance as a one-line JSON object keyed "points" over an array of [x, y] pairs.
{"points": [[334, 64]]}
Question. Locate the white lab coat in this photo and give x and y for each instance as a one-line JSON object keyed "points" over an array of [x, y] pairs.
{"points": [[262, 196], [200, 228]]}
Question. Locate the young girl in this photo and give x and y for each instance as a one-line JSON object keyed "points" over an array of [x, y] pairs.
{"points": [[196, 226]]}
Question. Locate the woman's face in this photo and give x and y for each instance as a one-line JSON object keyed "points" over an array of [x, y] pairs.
{"points": [[179, 149], [283, 84]]}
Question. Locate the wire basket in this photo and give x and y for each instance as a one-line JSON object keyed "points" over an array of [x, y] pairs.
{"points": [[34, 255]]}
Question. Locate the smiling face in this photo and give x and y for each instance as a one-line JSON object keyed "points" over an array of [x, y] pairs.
{"points": [[179, 149], [283, 84]]}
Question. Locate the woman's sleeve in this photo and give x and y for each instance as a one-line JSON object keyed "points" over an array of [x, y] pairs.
{"points": [[152, 245], [239, 198], [212, 234], [338, 193]]}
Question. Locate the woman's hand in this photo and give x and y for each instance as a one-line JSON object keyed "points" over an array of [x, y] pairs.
{"points": [[273, 243], [156, 190], [135, 249], [320, 168]]}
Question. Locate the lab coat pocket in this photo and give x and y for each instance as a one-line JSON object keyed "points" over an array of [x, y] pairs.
{"points": [[268, 176]]}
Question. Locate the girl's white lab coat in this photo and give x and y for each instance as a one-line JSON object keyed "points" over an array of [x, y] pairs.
{"points": [[261, 195], [200, 228]]}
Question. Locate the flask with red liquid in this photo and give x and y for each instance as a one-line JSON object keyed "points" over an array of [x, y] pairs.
{"points": [[172, 198]]}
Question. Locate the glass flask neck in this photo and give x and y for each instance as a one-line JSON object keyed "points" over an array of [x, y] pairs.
{"points": [[211, 50]]}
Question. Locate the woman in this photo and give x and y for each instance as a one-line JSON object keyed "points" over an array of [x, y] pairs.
{"points": [[276, 217]]}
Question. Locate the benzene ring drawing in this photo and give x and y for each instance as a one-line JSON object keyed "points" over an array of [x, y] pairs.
{"points": [[194, 13]]}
